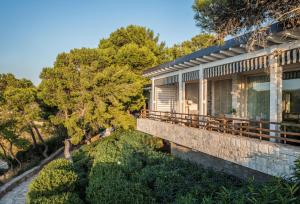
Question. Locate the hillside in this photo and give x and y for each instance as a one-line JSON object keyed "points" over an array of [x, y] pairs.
{"points": [[128, 167]]}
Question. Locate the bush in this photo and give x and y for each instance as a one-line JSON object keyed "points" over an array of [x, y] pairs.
{"points": [[127, 168], [51, 182], [59, 164], [297, 170], [63, 198], [57, 178]]}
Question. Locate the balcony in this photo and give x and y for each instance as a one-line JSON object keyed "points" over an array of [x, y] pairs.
{"points": [[262, 146]]}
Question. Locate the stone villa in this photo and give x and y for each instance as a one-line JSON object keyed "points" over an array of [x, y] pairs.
{"points": [[231, 109]]}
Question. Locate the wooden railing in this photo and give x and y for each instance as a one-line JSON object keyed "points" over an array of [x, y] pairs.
{"points": [[263, 130]]}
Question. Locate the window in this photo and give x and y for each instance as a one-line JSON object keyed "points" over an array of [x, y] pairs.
{"points": [[191, 97], [291, 96], [222, 97], [258, 97]]}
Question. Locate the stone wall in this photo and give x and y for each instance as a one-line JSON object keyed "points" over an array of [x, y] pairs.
{"points": [[211, 162], [263, 156]]}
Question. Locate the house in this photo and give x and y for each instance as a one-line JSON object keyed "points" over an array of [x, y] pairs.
{"points": [[238, 109]]}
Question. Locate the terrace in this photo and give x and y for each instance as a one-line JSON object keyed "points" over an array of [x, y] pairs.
{"points": [[287, 133], [232, 104]]}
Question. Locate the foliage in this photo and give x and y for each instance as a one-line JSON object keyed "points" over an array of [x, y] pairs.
{"points": [[297, 170], [133, 42], [63, 198], [196, 43], [19, 114], [127, 161], [56, 182], [137, 58], [88, 101], [100, 87], [227, 17], [128, 167]]}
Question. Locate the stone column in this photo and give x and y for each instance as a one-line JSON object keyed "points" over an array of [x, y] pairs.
{"points": [[212, 98], [202, 95], [236, 94], [275, 93], [152, 95], [180, 92], [243, 97]]}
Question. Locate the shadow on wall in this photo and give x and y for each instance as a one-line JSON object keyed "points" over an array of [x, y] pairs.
{"points": [[269, 158], [218, 164]]}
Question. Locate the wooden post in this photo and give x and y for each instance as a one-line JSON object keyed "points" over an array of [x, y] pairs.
{"points": [[260, 127], [284, 129]]}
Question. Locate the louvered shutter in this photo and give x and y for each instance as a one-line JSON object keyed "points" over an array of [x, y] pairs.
{"points": [[166, 98]]}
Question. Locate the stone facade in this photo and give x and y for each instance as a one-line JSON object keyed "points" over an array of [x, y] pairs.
{"points": [[267, 157]]}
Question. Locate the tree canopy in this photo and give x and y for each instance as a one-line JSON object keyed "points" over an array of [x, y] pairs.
{"points": [[135, 46], [231, 17], [19, 112], [96, 88], [196, 43], [93, 88]]}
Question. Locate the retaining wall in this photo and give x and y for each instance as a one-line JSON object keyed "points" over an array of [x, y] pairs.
{"points": [[263, 156]]}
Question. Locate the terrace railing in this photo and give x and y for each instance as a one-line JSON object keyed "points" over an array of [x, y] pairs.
{"points": [[260, 129]]}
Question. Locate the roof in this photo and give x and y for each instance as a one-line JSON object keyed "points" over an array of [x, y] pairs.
{"points": [[205, 55]]}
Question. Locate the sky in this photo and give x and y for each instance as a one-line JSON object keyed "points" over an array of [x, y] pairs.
{"points": [[33, 32]]}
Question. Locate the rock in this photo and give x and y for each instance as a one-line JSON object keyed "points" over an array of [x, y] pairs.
{"points": [[3, 165]]}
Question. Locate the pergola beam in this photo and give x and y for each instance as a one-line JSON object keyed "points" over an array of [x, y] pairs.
{"points": [[238, 50], [210, 58], [218, 55], [190, 64], [276, 39], [227, 53], [196, 62], [184, 65], [294, 34], [179, 66], [203, 60]]}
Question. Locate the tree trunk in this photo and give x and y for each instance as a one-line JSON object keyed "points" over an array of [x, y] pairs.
{"points": [[33, 137], [42, 140], [6, 156], [88, 137], [67, 153], [3, 150], [12, 154]]}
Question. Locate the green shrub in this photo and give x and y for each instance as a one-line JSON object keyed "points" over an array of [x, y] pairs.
{"points": [[109, 184], [297, 170], [63, 198], [51, 182], [61, 164], [56, 178], [127, 168]]}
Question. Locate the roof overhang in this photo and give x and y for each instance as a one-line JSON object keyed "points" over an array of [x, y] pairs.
{"points": [[230, 48]]}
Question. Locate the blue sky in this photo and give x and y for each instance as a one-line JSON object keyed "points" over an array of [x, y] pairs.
{"points": [[33, 32]]}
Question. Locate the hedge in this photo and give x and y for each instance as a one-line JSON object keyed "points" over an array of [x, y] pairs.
{"points": [[128, 167], [57, 180]]}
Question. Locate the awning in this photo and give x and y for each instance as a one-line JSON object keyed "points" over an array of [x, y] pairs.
{"points": [[285, 58], [290, 57], [237, 67], [190, 76], [167, 80]]}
